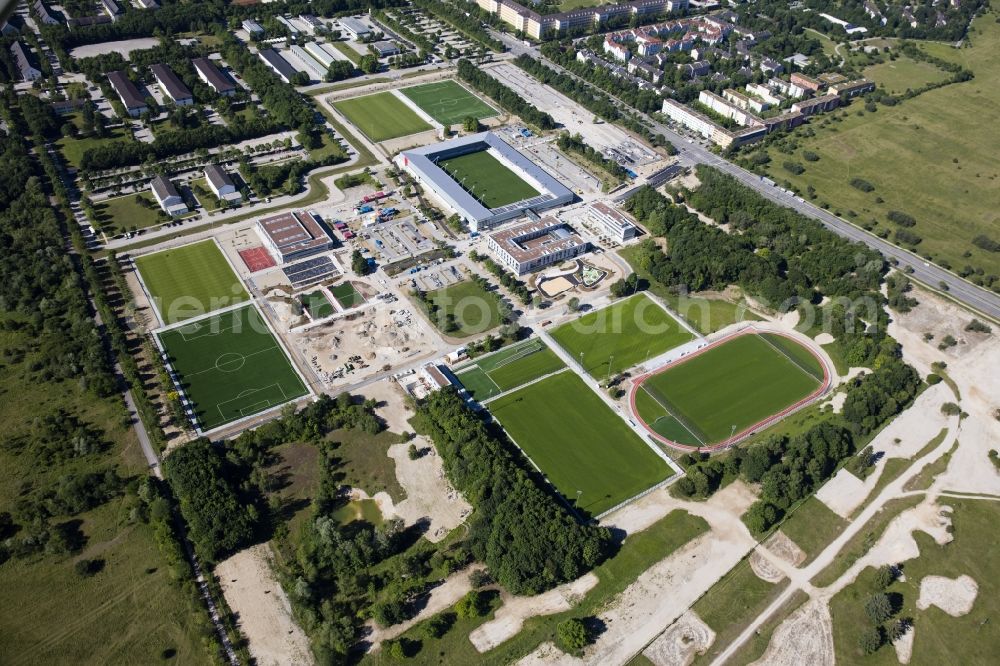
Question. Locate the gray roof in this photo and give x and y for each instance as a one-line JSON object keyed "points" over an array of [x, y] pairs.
{"points": [[219, 178], [274, 59], [129, 94], [174, 86], [215, 78], [354, 25], [163, 188], [23, 60], [111, 6]]}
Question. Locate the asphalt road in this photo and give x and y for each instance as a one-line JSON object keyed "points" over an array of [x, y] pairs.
{"points": [[692, 154]]}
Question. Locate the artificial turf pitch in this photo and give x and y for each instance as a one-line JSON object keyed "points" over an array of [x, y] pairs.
{"points": [[487, 179], [630, 331], [727, 388], [382, 116], [578, 442], [347, 295], [508, 368], [190, 281], [317, 304], [230, 366], [448, 102]]}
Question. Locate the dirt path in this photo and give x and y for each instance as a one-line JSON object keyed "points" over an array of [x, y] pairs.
{"points": [[265, 616]]}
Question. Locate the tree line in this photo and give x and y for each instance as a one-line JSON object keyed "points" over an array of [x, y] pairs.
{"points": [[509, 100]]}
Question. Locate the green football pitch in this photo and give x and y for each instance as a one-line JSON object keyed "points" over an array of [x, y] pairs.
{"points": [[190, 281], [317, 304], [729, 388], [448, 102], [508, 369], [622, 335], [487, 179], [578, 442], [230, 366], [382, 116], [347, 295]]}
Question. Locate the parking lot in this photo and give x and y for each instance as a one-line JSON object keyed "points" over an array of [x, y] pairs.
{"points": [[398, 239], [432, 279]]}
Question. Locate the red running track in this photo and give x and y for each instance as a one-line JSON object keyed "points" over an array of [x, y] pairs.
{"points": [[726, 443]]}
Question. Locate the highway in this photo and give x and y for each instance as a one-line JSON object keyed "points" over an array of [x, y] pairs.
{"points": [[693, 153]]}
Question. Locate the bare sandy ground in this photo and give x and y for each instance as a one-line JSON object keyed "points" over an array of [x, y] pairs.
{"points": [[547, 654], [428, 493], [765, 569], [265, 616], [681, 642], [897, 543], [443, 596], [806, 637], [904, 646], [914, 428], [392, 407], [954, 596], [972, 364], [511, 616], [784, 548]]}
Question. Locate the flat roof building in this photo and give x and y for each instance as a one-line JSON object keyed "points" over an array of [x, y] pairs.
{"points": [[615, 223], [533, 245], [222, 184], [171, 85], [294, 235], [385, 49], [252, 27], [853, 88], [808, 107], [315, 70], [277, 64], [167, 196], [210, 74], [131, 98], [23, 60], [353, 27]]}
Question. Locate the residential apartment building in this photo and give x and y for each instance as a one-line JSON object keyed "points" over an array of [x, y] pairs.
{"points": [[167, 196]]}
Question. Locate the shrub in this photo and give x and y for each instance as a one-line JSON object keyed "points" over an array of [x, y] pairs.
{"points": [[984, 242], [950, 409], [793, 167], [977, 326], [907, 237], [871, 639], [884, 576], [810, 156], [900, 218], [862, 184], [471, 605], [572, 635]]}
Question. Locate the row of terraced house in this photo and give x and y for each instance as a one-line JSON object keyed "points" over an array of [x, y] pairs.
{"points": [[537, 25]]}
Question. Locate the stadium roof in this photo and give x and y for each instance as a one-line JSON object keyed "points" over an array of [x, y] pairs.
{"points": [[129, 94], [212, 74], [423, 160], [170, 82]]}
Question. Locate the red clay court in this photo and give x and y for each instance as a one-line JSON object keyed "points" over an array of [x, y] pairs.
{"points": [[257, 258]]}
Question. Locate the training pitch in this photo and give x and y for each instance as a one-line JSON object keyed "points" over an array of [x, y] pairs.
{"points": [[230, 366], [508, 368], [578, 442], [728, 390], [487, 179], [622, 335], [382, 116], [448, 102], [190, 281], [347, 296], [317, 304]]}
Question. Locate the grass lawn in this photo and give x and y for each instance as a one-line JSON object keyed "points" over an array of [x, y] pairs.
{"points": [[728, 388], [211, 355], [733, 602], [812, 526], [317, 304], [382, 116], [351, 54], [631, 330], [347, 296], [129, 612], [902, 74], [190, 280], [487, 179], [939, 638], [928, 157], [508, 368], [448, 102], [124, 213], [474, 309], [199, 187], [639, 552], [73, 149], [578, 442]]}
